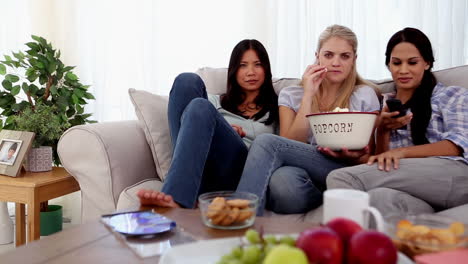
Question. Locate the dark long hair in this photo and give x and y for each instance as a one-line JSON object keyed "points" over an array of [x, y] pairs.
{"points": [[420, 102], [234, 96]]}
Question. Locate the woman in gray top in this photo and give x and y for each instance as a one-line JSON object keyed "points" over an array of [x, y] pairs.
{"points": [[211, 134], [288, 173]]}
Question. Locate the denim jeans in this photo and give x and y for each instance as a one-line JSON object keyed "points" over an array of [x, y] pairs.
{"points": [[294, 173], [208, 154]]}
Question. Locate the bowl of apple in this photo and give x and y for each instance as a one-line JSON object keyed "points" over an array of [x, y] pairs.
{"points": [[342, 129]]}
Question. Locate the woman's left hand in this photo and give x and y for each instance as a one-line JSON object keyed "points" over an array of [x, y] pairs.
{"points": [[239, 130], [345, 154], [386, 159]]}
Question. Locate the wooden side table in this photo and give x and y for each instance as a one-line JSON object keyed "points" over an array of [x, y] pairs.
{"points": [[32, 188]]}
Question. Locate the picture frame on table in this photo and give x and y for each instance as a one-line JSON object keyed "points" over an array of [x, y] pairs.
{"points": [[14, 146]]}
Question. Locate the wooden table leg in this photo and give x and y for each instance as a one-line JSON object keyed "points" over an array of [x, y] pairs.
{"points": [[34, 224], [20, 224]]}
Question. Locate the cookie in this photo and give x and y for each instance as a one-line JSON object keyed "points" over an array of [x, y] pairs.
{"points": [[239, 203], [244, 215], [215, 207], [231, 216], [219, 217]]}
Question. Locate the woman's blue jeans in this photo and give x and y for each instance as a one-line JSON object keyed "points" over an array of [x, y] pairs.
{"points": [[288, 176], [208, 154]]}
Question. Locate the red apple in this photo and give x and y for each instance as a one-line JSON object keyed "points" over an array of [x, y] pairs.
{"points": [[370, 247], [321, 245], [344, 227]]}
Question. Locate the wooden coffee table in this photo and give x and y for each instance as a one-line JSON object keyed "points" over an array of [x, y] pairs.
{"points": [[32, 188], [94, 243]]}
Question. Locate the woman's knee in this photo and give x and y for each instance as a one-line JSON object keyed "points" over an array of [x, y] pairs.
{"points": [[337, 178], [265, 141], [286, 179], [291, 191], [187, 81], [390, 202], [344, 178], [200, 109]]}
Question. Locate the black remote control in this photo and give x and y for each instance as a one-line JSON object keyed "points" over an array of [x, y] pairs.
{"points": [[396, 105]]}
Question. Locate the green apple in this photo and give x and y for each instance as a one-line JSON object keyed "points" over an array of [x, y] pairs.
{"points": [[285, 254]]}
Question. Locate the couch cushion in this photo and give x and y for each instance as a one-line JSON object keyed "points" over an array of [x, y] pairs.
{"points": [[128, 199], [151, 111]]}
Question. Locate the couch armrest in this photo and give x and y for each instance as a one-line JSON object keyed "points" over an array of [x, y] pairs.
{"points": [[105, 158]]}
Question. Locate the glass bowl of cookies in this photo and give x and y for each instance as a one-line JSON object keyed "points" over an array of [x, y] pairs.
{"points": [[426, 233], [228, 209]]}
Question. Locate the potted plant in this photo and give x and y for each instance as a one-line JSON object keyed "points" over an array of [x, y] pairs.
{"points": [[40, 94], [44, 121]]}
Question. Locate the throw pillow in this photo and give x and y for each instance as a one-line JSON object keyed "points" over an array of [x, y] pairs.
{"points": [[151, 110]]}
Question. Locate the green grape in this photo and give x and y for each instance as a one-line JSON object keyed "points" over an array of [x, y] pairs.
{"points": [[251, 255], [256, 249], [237, 252], [270, 239], [287, 240], [268, 247], [226, 259], [252, 236]]}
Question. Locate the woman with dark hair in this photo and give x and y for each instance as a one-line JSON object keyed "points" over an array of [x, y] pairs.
{"points": [[421, 161], [211, 133]]}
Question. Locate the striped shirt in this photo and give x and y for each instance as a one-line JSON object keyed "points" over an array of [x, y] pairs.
{"points": [[449, 121]]}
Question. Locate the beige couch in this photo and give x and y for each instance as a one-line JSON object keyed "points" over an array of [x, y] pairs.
{"points": [[112, 160]]}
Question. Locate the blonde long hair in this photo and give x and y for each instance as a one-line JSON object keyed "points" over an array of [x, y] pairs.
{"points": [[352, 81]]}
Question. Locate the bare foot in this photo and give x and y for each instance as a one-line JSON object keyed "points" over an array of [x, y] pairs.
{"points": [[151, 197]]}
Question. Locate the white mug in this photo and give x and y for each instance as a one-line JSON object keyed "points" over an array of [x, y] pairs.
{"points": [[351, 204]]}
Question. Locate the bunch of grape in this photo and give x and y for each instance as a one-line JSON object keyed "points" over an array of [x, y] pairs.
{"points": [[256, 248]]}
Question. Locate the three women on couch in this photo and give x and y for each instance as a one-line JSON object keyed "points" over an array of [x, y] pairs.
{"points": [[421, 161], [211, 133]]}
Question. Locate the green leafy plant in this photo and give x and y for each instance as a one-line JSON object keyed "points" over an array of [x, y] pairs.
{"points": [[43, 121], [38, 80]]}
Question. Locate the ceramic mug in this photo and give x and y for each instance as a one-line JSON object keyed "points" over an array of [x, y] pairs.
{"points": [[351, 204]]}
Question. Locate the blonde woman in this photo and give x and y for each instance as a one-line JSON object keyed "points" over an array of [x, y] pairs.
{"points": [[288, 172]]}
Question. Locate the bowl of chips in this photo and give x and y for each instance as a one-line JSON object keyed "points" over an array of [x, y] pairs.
{"points": [[228, 209], [427, 233]]}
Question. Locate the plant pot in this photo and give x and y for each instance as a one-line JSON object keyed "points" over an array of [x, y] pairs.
{"points": [[39, 159], [51, 220], [6, 225]]}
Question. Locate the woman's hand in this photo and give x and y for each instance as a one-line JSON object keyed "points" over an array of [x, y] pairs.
{"points": [[313, 77], [387, 159], [239, 130], [387, 122], [345, 154]]}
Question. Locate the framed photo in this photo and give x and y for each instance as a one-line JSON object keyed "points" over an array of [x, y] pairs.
{"points": [[9, 149], [14, 145]]}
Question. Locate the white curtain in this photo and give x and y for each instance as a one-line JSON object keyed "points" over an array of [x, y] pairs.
{"points": [[144, 44], [298, 25]]}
